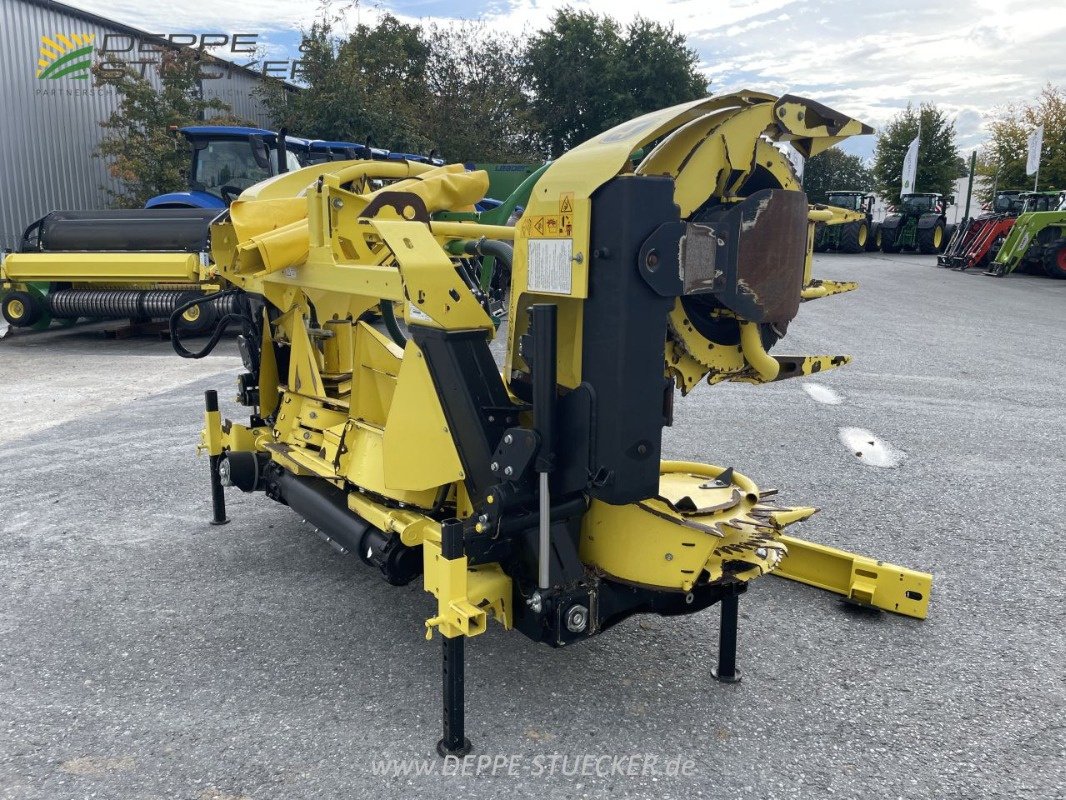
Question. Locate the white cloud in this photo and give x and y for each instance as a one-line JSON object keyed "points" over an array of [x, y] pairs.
{"points": [[969, 56]]}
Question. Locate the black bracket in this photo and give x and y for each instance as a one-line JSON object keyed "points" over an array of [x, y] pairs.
{"points": [[514, 454]]}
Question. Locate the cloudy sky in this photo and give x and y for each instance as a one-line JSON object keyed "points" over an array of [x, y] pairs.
{"points": [[968, 56]]}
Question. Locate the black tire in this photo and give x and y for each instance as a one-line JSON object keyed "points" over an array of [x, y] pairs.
{"points": [[853, 237], [931, 240], [888, 240], [23, 309], [1055, 259], [872, 242]]}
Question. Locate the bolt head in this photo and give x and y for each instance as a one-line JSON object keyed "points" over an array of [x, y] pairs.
{"points": [[508, 439], [508, 471], [494, 466], [577, 619], [669, 556]]}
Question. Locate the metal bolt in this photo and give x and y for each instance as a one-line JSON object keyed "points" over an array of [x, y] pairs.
{"points": [[508, 471], [483, 518], [761, 552], [669, 556], [508, 439], [338, 203], [689, 598], [224, 474], [494, 466], [577, 619], [535, 603]]}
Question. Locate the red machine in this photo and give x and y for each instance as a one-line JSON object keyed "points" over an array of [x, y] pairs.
{"points": [[975, 243]]}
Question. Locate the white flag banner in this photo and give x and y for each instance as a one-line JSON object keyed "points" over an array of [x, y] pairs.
{"points": [[1036, 143], [910, 167]]}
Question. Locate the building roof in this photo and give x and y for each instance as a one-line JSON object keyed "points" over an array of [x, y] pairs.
{"points": [[96, 19]]}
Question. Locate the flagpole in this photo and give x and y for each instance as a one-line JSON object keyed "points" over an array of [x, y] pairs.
{"points": [[917, 156]]}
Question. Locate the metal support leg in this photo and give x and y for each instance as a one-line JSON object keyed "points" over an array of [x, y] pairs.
{"points": [[454, 741], [218, 497], [453, 668], [727, 671]]}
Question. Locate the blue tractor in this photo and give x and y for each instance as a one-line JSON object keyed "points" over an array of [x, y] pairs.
{"points": [[227, 160]]}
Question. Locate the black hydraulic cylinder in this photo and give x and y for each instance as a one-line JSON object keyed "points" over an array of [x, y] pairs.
{"points": [[727, 642], [542, 319], [453, 668], [218, 496]]}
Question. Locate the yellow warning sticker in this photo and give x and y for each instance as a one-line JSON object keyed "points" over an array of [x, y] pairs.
{"points": [[550, 225], [566, 225], [566, 203]]}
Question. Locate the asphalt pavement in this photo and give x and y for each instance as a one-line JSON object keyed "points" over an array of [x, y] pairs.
{"points": [[145, 654]]}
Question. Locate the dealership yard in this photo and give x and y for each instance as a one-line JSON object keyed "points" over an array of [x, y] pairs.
{"points": [[146, 654]]}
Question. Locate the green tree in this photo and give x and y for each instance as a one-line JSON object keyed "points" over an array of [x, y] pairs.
{"points": [[370, 86], [141, 151], [476, 108], [1002, 158], [834, 169], [586, 73], [937, 154]]}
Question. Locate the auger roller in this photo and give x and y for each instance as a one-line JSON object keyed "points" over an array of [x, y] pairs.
{"points": [[536, 495]]}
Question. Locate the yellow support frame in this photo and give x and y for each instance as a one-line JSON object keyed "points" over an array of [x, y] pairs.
{"points": [[104, 267], [863, 580]]}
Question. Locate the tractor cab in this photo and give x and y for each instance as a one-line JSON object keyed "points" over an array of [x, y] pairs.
{"points": [[227, 160], [1008, 201], [1041, 201], [853, 201], [928, 203]]}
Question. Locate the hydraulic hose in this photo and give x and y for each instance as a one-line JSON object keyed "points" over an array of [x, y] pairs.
{"points": [[388, 316], [490, 247], [237, 316]]}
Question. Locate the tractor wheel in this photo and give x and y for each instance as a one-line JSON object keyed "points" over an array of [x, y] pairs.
{"points": [[23, 309], [873, 239], [853, 237], [888, 240], [1055, 259], [931, 240], [198, 319]]}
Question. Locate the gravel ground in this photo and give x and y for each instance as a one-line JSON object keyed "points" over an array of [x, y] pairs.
{"points": [[145, 654]]}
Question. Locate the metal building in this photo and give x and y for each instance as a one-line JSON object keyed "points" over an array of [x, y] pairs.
{"points": [[51, 118]]}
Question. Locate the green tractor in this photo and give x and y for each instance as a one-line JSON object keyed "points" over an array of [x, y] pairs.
{"points": [[851, 237], [918, 224], [1037, 242]]}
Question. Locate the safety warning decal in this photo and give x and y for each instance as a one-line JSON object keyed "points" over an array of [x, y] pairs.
{"points": [[549, 263]]}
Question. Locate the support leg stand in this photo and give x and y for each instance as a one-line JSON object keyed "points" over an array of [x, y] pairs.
{"points": [[727, 671]]}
